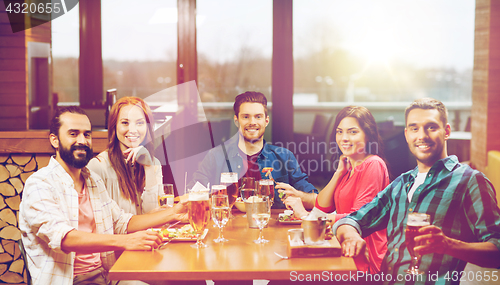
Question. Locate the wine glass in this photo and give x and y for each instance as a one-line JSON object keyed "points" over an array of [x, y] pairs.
{"points": [[199, 215], [261, 213], [220, 214], [230, 180], [218, 190], [248, 188], [266, 188], [415, 222]]}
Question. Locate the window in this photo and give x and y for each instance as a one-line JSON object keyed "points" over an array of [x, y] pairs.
{"points": [[139, 46], [234, 42]]}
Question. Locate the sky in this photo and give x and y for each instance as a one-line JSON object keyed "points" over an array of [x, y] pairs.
{"points": [[426, 33]]}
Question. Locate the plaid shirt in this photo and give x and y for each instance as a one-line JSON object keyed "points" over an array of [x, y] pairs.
{"points": [[49, 210], [460, 200]]}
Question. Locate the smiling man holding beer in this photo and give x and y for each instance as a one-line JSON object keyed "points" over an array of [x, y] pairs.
{"points": [[464, 217], [248, 154]]}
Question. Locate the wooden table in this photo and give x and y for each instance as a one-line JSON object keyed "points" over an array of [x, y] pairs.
{"points": [[237, 259]]}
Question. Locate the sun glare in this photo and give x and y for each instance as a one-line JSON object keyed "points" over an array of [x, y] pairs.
{"points": [[377, 48]]}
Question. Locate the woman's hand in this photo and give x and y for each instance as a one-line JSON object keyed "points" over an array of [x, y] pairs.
{"points": [[138, 154], [295, 204], [181, 211], [344, 165], [286, 190]]}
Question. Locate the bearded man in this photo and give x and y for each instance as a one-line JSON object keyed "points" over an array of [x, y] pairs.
{"points": [[70, 226]]}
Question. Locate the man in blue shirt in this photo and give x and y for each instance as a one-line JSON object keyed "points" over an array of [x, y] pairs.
{"points": [[247, 153], [465, 219]]}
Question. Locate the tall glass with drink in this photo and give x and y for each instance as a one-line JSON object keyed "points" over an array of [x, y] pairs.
{"points": [[248, 187], [415, 222], [219, 190], [199, 214], [220, 214], [168, 196], [261, 213], [266, 188], [230, 180]]}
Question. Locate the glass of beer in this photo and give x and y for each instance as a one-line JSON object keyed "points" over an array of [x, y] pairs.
{"points": [[266, 188], [168, 196], [199, 214], [220, 214], [248, 188], [219, 190], [230, 180], [261, 213], [415, 222]]}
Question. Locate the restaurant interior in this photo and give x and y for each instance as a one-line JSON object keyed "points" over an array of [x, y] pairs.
{"points": [[200, 73]]}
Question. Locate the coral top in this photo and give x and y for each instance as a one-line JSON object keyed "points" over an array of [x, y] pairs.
{"points": [[366, 180]]}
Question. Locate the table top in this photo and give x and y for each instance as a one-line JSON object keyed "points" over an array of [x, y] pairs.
{"points": [[238, 259]]}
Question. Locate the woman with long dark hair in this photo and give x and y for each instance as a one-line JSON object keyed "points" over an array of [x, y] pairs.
{"points": [[132, 175], [360, 175]]}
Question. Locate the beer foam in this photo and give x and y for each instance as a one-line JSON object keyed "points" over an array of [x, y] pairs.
{"points": [[417, 223], [198, 196], [252, 199], [218, 187], [228, 178]]}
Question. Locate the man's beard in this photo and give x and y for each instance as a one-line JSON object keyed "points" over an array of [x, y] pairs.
{"points": [[68, 156], [253, 140]]}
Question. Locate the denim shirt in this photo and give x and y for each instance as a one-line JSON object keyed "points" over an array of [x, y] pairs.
{"points": [[286, 169]]}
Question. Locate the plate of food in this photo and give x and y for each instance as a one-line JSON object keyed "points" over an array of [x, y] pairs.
{"points": [[288, 218], [185, 233]]}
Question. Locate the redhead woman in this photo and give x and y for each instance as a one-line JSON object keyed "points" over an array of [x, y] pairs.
{"points": [[360, 175], [132, 175]]}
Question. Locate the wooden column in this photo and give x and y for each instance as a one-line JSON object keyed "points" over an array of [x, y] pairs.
{"points": [[187, 98], [14, 68], [282, 73], [91, 91], [187, 61], [485, 113]]}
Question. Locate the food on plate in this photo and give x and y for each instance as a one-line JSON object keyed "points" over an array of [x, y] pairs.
{"points": [[186, 232], [288, 218]]}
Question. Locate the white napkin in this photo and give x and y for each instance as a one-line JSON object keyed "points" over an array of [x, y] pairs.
{"points": [[198, 187], [315, 214]]}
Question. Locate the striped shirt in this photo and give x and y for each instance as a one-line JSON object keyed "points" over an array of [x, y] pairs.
{"points": [[460, 200], [49, 210]]}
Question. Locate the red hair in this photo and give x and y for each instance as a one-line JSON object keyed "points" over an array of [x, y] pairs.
{"points": [[130, 179]]}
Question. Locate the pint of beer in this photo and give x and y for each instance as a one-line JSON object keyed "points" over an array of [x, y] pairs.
{"points": [[414, 223], [266, 188], [230, 180], [199, 210], [219, 190]]}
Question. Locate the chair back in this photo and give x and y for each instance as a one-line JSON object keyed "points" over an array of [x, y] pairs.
{"points": [[492, 171], [25, 260]]}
